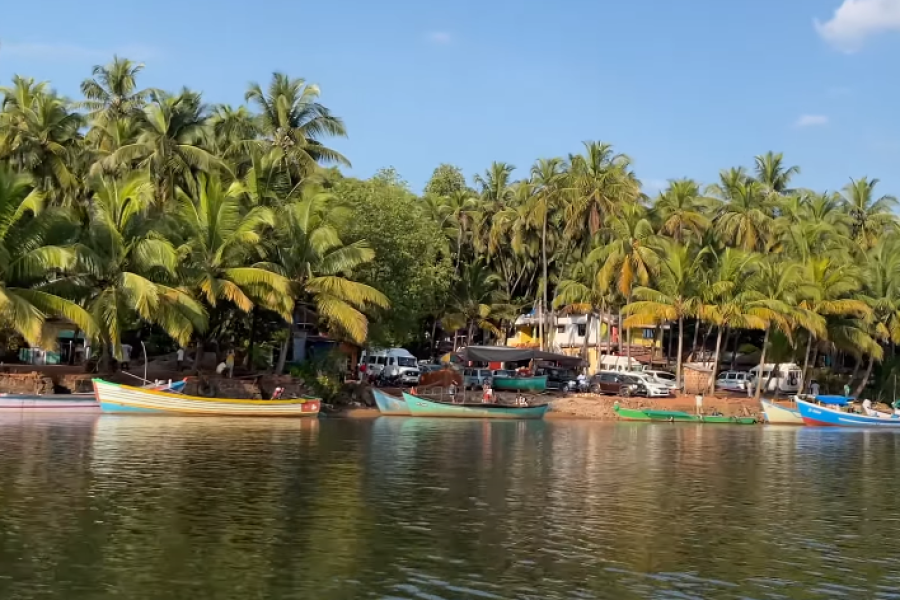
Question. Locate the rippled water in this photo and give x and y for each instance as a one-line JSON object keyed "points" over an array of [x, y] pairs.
{"points": [[132, 507]]}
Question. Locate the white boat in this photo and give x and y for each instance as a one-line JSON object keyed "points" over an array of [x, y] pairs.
{"points": [[781, 415]]}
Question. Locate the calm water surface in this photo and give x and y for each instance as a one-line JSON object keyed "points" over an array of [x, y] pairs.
{"points": [[131, 507]]}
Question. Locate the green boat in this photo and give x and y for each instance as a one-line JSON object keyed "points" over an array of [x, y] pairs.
{"points": [[677, 416], [420, 407], [524, 384]]}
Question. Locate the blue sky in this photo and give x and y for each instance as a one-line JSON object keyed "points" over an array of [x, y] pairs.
{"points": [[685, 88]]}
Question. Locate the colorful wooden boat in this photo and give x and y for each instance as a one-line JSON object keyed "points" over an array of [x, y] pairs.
{"points": [[781, 415], [116, 398], [817, 415], [420, 407], [677, 416], [524, 384], [390, 405], [68, 402]]}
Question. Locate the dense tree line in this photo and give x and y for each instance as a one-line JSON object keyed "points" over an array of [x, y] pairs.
{"points": [[139, 209]]}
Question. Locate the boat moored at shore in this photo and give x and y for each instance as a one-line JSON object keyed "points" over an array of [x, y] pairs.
{"points": [[390, 405], [116, 398], [420, 407], [823, 416], [677, 416], [777, 414], [524, 384]]}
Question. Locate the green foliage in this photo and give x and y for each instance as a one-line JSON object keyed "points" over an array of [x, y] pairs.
{"points": [[445, 181], [411, 264], [323, 374]]}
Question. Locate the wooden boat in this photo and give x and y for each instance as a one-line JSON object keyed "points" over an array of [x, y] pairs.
{"points": [[390, 405], [818, 415], [68, 402], [525, 384], [116, 398], [677, 416], [420, 407], [781, 415]]}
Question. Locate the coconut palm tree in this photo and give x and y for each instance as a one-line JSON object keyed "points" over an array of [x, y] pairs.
{"points": [[293, 123], [871, 216], [112, 94], [319, 266], [171, 127], [600, 182], [39, 134], [745, 219], [772, 174], [682, 211], [630, 258], [725, 298], [128, 271], [773, 297], [30, 259], [581, 292], [475, 302], [549, 179], [674, 295]]}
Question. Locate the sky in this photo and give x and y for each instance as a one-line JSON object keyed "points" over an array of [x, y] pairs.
{"points": [[685, 88]]}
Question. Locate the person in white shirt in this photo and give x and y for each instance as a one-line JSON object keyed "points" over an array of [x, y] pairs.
{"points": [[179, 358], [867, 408]]}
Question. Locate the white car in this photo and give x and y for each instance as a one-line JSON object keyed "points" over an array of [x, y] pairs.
{"points": [[664, 377], [655, 387]]}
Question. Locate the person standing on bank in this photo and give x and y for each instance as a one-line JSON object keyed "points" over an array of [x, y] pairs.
{"points": [[229, 363], [179, 359]]}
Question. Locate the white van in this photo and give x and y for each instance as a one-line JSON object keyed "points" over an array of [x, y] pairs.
{"points": [[782, 377], [733, 381], [619, 364], [393, 362]]}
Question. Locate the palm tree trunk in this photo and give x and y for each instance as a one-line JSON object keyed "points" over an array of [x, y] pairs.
{"points": [[715, 369], [628, 338], [470, 332], [680, 351], [865, 380], [248, 359], [198, 358], [734, 349], [544, 253], [282, 355], [803, 374], [598, 342], [706, 335], [587, 335], [434, 337], [671, 339], [696, 336], [762, 361], [856, 367]]}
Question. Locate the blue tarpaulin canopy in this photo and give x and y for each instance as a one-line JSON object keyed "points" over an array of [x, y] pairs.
{"points": [[836, 400]]}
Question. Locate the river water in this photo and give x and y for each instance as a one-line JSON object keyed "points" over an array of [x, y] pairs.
{"points": [[169, 508]]}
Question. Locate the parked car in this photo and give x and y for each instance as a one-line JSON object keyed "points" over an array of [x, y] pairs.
{"points": [[664, 377], [557, 377], [428, 368], [621, 384], [655, 387], [474, 379], [734, 381]]}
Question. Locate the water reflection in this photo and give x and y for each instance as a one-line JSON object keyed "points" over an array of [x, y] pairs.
{"points": [[95, 507]]}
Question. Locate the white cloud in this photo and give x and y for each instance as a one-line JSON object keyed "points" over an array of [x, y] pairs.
{"points": [[855, 20], [39, 51], [811, 121], [440, 37]]}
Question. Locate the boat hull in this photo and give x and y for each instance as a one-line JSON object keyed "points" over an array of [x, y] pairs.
{"points": [[115, 398], [780, 415], [419, 407], [390, 405], [820, 416], [69, 403], [523, 384], [676, 416]]}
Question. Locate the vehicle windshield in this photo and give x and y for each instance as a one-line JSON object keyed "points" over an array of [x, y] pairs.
{"points": [[406, 362]]}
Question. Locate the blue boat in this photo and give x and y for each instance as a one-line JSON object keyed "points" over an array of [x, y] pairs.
{"points": [[420, 407], [390, 405], [814, 414]]}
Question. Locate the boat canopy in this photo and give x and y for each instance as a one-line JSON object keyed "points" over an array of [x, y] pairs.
{"points": [[507, 354], [835, 400]]}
